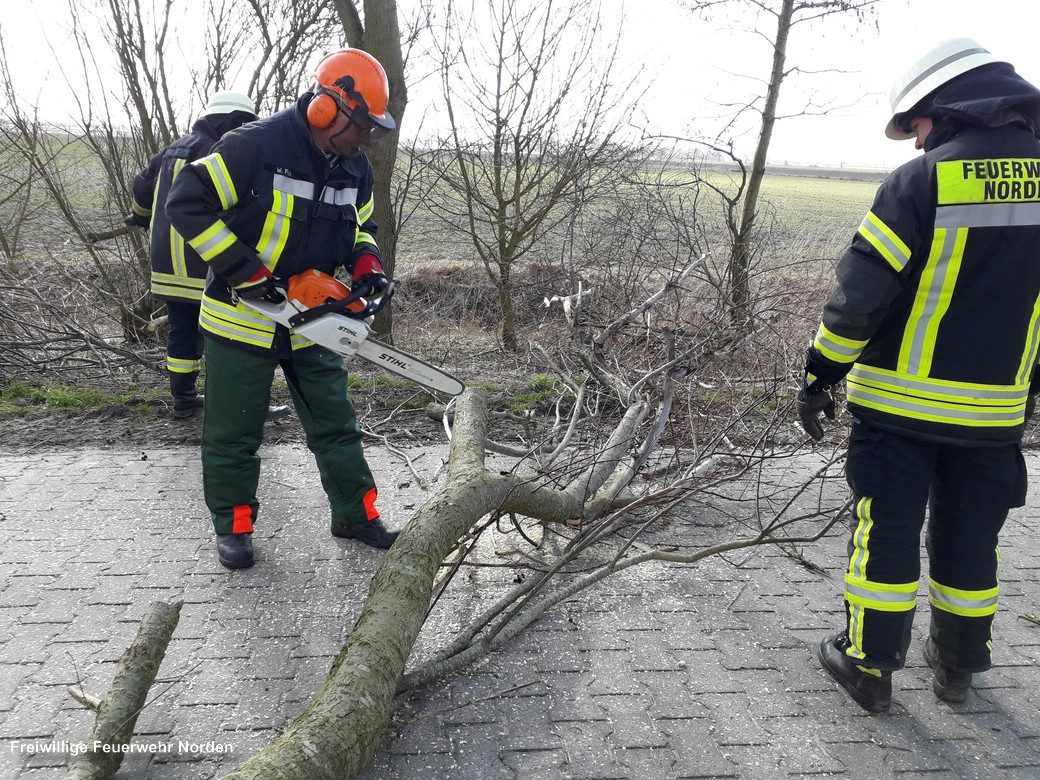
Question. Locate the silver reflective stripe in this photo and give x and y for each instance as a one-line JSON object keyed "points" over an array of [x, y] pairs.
{"points": [[896, 254], [961, 603], [222, 181], [937, 66], [924, 409], [297, 187], [271, 249], [237, 325], [933, 388], [932, 302], [1030, 358], [340, 197], [886, 596], [215, 243], [987, 215], [847, 349]]}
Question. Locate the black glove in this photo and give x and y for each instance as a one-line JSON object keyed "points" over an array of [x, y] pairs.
{"points": [[376, 281], [136, 220], [1030, 405], [264, 290], [810, 403]]}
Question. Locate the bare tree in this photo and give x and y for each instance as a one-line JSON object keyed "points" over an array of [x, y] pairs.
{"points": [[778, 18], [534, 126]]}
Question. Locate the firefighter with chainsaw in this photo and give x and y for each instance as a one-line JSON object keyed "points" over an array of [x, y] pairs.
{"points": [[290, 194], [178, 274], [935, 323]]}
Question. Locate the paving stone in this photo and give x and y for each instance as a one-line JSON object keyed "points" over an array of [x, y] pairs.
{"points": [[588, 749], [633, 726], [476, 753]]}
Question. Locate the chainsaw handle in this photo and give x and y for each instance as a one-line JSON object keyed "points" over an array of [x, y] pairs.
{"points": [[340, 306]]}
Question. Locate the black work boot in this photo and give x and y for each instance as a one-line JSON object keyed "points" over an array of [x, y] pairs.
{"points": [[186, 398], [873, 692], [278, 412], [371, 532], [235, 551], [949, 684]]}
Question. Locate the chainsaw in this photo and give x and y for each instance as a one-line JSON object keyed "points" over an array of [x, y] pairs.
{"points": [[325, 311]]}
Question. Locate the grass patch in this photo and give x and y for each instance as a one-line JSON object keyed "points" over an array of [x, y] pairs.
{"points": [[21, 397], [542, 391]]}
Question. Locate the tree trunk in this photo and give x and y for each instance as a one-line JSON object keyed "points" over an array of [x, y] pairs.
{"points": [[381, 37], [740, 253], [117, 713], [505, 300], [342, 728]]}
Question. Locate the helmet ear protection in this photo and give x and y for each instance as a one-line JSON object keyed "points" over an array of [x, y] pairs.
{"points": [[326, 103], [322, 110]]}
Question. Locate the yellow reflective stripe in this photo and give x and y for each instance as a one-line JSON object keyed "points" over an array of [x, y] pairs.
{"points": [[188, 287], [861, 539], [180, 267], [942, 389], [855, 631], [932, 301], [881, 596], [968, 603], [1025, 369], [236, 323], [182, 366], [299, 342], [952, 403], [838, 348], [887, 243], [176, 241], [213, 240], [276, 229], [218, 174], [893, 405], [366, 211], [140, 211]]}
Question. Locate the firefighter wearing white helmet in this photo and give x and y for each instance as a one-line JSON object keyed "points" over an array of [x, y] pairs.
{"points": [[178, 274], [288, 194], [935, 324]]}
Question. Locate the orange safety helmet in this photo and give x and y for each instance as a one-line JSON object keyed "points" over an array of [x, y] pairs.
{"points": [[353, 77], [313, 287]]}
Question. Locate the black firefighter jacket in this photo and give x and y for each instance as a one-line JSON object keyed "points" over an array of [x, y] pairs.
{"points": [[936, 313], [177, 270], [267, 196]]}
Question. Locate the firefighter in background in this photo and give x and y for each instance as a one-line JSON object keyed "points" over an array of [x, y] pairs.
{"points": [[178, 274], [934, 322], [277, 197]]}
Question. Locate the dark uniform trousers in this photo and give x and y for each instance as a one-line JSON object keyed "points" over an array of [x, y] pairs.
{"points": [[184, 345], [967, 492], [238, 389]]}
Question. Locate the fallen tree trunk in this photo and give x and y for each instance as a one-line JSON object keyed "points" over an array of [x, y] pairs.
{"points": [[117, 712], [341, 729]]}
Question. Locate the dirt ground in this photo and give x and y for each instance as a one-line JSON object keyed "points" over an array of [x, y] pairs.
{"points": [[154, 425], [397, 412]]}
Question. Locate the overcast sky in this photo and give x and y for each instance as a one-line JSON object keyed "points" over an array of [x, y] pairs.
{"points": [[696, 65], [869, 56]]}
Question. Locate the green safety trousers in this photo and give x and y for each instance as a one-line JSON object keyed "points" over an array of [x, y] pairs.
{"points": [[238, 388], [966, 493]]}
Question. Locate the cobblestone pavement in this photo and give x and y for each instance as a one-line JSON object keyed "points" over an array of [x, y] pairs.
{"points": [[661, 671]]}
